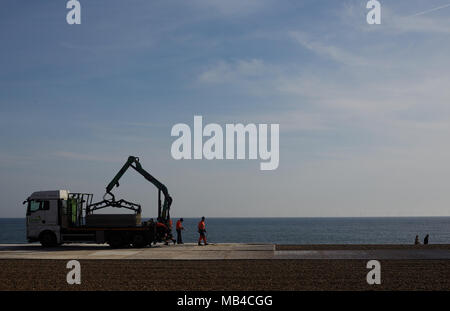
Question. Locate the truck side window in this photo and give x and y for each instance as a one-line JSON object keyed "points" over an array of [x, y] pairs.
{"points": [[45, 205]]}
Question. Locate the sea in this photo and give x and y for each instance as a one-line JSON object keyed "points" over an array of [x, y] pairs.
{"points": [[386, 230]]}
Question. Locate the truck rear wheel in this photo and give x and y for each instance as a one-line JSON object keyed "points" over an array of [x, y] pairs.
{"points": [[48, 239], [116, 241], [139, 241]]}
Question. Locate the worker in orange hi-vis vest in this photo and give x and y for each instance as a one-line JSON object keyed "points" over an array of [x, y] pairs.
{"points": [[179, 227], [161, 231], [202, 231]]}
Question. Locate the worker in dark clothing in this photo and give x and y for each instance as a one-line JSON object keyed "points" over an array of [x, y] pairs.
{"points": [[202, 232], [169, 233], [425, 241], [179, 227], [416, 241]]}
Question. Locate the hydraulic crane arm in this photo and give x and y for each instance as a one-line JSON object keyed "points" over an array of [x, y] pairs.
{"points": [[163, 211], [138, 167]]}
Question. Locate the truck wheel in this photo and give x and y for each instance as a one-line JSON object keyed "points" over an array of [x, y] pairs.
{"points": [[48, 239], [139, 241], [116, 241]]}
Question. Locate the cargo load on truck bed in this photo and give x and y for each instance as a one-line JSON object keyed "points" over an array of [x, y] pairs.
{"points": [[113, 220]]}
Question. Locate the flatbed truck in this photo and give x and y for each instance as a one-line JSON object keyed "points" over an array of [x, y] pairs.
{"points": [[59, 216]]}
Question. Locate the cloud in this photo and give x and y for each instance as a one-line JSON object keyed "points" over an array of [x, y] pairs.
{"points": [[417, 23], [394, 22], [329, 51], [8, 158], [226, 72], [308, 99], [234, 7], [431, 10], [296, 121]]}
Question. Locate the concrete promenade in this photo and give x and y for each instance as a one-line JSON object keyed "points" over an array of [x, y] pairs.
{"points": [[211, 252]]}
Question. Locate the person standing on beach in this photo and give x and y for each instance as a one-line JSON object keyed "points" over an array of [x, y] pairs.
{"points": [[202, 231], [425, 241], [179, 227], [416, 242]]}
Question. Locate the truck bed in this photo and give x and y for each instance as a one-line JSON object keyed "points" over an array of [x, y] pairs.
{"points": [[113, 220]]}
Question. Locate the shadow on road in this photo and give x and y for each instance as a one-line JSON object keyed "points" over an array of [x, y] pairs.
{"points": [[64, 248]]}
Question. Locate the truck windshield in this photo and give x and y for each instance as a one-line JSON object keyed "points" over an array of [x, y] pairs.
{"points": [[35, 205]]}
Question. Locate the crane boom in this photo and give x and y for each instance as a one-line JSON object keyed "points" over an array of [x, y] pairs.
{"points": [[163, 211]]}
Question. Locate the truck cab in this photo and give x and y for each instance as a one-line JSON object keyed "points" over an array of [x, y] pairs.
{"points": [[44, 214]]}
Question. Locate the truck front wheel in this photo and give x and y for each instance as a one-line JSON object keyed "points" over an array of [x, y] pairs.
{"points": [[48, 239]]}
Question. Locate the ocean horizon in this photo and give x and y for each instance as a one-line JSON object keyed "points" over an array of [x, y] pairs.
{"points": [[294, 230]]}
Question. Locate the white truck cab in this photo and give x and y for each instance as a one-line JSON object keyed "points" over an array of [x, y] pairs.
{"points": [[43, 216]]}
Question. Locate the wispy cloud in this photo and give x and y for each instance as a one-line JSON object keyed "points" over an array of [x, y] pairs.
{"points": [[9, 158], [329, 51], [394, 21], [418, 23], [234, 7], [225, 72], [431, 10]]}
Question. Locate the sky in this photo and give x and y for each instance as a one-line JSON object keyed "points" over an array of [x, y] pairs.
{"points": [[364, 110]]}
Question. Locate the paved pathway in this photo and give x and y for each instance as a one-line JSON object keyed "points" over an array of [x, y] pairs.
{"points": [[213, 251]]}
